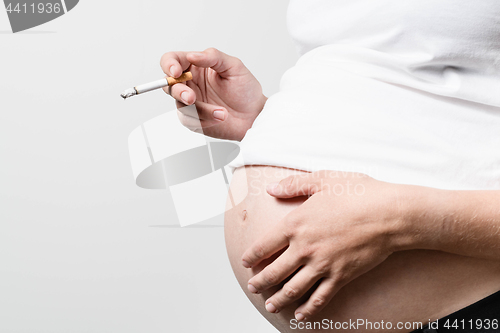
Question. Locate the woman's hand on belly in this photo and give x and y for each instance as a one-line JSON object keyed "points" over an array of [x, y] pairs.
{"points": [[346, 228]]}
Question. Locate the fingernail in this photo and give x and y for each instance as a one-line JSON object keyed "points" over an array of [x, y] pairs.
{"points": [[271, 187], [172, 68], [299, 316], [246, 265], [252, 289], [196, 54], [218, 114], [271, 308], [184, 97]]}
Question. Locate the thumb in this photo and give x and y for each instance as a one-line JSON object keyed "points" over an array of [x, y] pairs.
{"points": [[220, 62], [296, 185]]}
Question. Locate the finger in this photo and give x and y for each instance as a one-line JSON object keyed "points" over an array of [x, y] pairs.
{"points": [[209, 114], [191, 123], [212, 114], [273, 241], [274, 273], [174, 63], [294, 289], [181, 93], [188, 110], [220, 62], [318, 300], [296, 185]]}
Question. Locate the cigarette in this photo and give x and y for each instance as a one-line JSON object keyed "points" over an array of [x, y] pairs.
{"points": [[168, 81]]}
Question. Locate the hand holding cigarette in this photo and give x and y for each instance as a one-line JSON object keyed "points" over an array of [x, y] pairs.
{"points": [[226, 95]]}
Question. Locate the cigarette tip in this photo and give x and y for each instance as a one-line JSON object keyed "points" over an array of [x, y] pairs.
{"points": [[128, 93]]}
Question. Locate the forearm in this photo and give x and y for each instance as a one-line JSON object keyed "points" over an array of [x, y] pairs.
{"points": [[460, 222]]}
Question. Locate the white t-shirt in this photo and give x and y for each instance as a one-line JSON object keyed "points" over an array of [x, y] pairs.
{"points": [[404, 91]]}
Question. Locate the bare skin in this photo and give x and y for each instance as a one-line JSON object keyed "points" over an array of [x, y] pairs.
{"points": [[409, 286]]}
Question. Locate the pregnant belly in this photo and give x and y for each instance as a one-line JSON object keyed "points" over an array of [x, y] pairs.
{"points": [[409, 287]]}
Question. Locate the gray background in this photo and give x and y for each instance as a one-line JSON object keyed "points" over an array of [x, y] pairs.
{"points": [[78, 248]]}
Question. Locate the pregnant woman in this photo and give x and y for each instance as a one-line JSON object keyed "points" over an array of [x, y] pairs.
{"points": [[372, 191]]}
